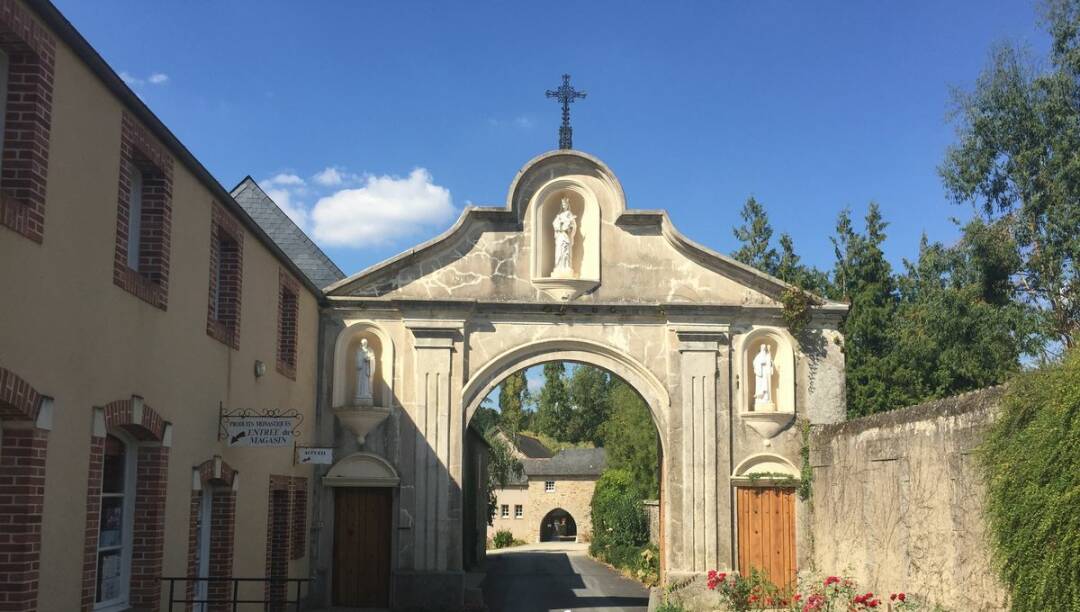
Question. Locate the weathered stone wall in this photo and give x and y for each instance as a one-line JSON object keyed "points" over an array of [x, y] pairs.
{"points": [[652, 512], [573, 494], [897, 502]]}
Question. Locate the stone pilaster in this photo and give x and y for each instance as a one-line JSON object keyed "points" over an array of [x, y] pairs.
{"points": [[705, 470]]}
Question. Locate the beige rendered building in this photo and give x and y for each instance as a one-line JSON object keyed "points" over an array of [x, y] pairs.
{"points": [[140, 303], [551, 501]]}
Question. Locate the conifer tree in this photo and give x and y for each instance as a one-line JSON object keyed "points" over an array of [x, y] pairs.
{"points": [[554, 413], [755, 238], [513, 393]]}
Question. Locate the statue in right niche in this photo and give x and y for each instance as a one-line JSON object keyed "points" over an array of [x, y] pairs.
{"points": [[565, 226], [763, 374]]}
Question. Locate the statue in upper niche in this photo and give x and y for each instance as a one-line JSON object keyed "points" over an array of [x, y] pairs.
{"points": [[365, 367], [763, 373], [565, 226]]}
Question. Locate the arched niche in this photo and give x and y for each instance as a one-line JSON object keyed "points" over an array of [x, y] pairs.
{"points": [[782, 348], [766, 469], [585, 252], [361, 470], [345, 348]]}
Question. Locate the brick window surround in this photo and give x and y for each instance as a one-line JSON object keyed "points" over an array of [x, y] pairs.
{"points": [[288, 322], [226, 277], [31, 52], [154, 434], [286, 530], [139, 152], [24, 429], [217, 478]]}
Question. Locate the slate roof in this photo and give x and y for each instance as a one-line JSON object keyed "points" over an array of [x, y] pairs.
{"points": [[568, 462], [290, 238], [531, 447]]}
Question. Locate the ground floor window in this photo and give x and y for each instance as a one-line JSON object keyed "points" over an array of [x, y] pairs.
{"points": [[114, 526], [504, 511], [519, 511]]}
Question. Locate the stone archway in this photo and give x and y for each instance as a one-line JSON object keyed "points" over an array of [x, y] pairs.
{"points": [[660, 311], [558, 525]]}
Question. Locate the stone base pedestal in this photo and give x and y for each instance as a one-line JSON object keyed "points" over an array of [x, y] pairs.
{"points": [[429, 591]]}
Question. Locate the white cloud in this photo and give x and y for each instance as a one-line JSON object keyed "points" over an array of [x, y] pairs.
{"points": [[384, 208], [284, 179], [521, 122], [295, 210], [329, 177], [155, 78]]}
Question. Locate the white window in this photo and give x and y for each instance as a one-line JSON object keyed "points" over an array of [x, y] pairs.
{"points": [[549, 486], [519, 511], [114, 528], [504, 512], [202, 551], [134, 244]]}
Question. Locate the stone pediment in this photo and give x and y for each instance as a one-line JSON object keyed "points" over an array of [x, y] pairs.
{"points": [[510, 253]]}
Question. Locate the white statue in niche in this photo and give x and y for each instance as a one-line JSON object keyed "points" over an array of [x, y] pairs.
{"points": [[763, 373], [365, 368], [565, 226]]}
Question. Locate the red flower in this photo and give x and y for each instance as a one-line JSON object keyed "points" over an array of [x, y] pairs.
{"points": [[901, 597], [831, 580], [893, 597], [796, 597], [873, 603]]}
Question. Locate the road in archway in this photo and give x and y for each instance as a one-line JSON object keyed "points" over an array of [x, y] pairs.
{"points": [[557, 576]]}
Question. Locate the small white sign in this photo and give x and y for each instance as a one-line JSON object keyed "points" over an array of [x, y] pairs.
{"points": [[314, 456], [259, 431]]}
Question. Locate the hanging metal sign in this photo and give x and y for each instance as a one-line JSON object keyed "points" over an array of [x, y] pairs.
{"points": [[252, 429]]}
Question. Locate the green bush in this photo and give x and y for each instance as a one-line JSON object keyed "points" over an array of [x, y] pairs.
{"points": [[618, 518], [503, 539], [1032, 464]]}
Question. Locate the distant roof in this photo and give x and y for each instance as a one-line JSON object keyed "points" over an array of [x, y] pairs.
{"points": [[290, 238], [568, 462], [531, 447]]}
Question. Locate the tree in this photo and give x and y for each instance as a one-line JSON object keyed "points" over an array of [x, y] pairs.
{"points": [[755, 236], [790, 269], [866, 283], [503, 469], [630, 439], [957, 327], [554, 413], [1018, 162], [486, 417], [513, 393], [590, 396]]}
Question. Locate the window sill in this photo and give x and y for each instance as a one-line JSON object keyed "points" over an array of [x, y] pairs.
{"points": [[18, 215], [141, 287], [286, 370], [224, 333]]}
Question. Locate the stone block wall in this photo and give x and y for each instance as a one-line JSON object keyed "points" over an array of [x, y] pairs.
{"points": [[897, 502]]}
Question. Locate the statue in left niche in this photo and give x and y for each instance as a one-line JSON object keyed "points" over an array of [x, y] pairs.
{"points": [[365, 370]]}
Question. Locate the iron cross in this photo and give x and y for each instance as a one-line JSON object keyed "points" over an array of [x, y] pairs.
{"points": [[565, 94]]}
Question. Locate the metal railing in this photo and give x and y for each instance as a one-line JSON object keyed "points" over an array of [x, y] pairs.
{"points": [[279, 603]]}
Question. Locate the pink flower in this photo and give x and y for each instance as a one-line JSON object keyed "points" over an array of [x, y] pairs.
{"points": [[831, 580]]}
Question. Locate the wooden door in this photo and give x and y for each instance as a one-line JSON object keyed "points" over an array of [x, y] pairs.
{"points": [[767, 532], [362, 529]]}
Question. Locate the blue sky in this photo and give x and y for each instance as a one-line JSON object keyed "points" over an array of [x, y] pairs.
{"points": [[421, 108]]}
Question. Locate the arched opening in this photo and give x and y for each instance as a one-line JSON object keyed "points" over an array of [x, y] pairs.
{"points": [[575, 417], [558, 526]]}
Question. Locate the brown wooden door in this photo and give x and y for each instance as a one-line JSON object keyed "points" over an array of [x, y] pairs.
{"points": [[767, 532], [362, 529]]}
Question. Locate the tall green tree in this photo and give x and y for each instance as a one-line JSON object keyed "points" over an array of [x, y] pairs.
{"points": [[1018, 162], [630, 439], [554, 414], [513, 393], [504, 468], [589, 391], [790, 269], [867, 285], [957, 327], [755, 238]]}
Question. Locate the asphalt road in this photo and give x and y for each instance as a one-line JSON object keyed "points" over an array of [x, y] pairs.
{"points": [[556, 577]]}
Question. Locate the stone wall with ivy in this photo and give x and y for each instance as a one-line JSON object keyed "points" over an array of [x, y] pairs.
{"points": [[897, 502]]}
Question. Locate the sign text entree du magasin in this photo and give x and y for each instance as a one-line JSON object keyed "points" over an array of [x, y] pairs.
{"points": [[259, 431]]}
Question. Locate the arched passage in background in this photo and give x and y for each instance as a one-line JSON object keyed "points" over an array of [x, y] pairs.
{"points": [[558, 526]]}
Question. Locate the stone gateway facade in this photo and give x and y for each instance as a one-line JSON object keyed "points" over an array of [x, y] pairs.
{"points": [[450, 319]]}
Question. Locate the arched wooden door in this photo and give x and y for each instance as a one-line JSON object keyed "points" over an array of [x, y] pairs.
{"points": [[362, 530], [767, 532]]}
